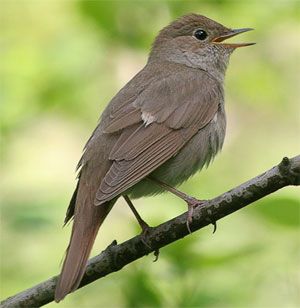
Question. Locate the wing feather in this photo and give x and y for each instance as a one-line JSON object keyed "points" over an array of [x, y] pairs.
{"points": [[178, 106], [153, 152], [131, 172], [140, 140], [123, 119]]}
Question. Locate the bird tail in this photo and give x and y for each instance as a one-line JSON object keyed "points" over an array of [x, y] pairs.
{"points": [[84, 231]]}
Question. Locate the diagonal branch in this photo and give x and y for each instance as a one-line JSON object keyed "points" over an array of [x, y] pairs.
{"points": [[115, 257]]}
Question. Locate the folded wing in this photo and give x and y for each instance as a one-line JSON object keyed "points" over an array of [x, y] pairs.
{"points": [[155, 126]]}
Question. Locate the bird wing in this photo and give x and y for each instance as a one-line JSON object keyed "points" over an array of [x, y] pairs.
{"points": [[155, 126]]}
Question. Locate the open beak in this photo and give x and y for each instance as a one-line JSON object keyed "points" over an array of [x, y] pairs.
{"points": [[218, 40]]}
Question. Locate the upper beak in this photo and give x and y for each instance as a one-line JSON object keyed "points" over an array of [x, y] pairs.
{"points": [[218, 40]]}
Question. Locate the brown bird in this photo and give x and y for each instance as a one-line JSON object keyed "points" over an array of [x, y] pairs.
{"points": [[163, 126]]}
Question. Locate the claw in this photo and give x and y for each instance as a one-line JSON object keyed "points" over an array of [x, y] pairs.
{"points": [[156, 255], [189, 218], [188, 227], [192, 202], [143, 236], [215, 226]]}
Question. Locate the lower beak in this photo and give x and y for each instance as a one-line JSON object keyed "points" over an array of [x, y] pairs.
{"points": [[218, 40]]}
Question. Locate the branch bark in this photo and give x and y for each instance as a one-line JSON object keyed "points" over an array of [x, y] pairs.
{"points": [[115, 257]]}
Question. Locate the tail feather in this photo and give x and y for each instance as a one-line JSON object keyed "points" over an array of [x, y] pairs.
{"points": [[87, 218], [82, 239], [71, 207]]}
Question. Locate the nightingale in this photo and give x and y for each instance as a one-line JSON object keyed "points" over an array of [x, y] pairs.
{"points": [[161, 127]]}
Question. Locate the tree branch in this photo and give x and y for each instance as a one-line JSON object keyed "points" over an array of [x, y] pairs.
{"points": [[116, 256]]}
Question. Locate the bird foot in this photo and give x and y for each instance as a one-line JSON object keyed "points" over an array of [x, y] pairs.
{"points": [[144, 226], [192, 203], [145, 229]]}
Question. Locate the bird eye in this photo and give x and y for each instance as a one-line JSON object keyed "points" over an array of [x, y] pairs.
{"points": [[200, 35]]}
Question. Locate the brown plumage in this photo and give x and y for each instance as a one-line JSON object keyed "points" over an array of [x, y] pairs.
{"points": [[167, 122], [143, 148]]}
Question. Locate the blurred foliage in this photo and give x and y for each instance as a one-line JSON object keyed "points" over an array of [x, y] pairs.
{"points": [[61, 63]]}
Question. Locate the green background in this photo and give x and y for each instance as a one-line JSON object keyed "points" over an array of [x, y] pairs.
{"points": [[61, 63]]}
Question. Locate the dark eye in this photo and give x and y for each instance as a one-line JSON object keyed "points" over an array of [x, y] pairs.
{"points": [[200, 35]]}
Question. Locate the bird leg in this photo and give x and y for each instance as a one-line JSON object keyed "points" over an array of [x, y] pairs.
{"points": [[141, 222], [145, 227], [192, 202]]}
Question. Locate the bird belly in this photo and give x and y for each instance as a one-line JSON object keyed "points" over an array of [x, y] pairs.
{"points": [[197, 153]]}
